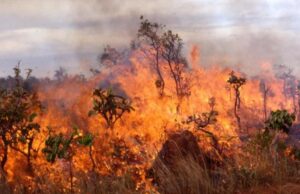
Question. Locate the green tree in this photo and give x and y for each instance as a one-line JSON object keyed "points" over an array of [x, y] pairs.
{"points": [[18, 110], [110, 106], [63, 147], [280, 120], [236, 83]]}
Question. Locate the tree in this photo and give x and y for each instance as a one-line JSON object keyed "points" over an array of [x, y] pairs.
{"points": [[61, 74], [236, 83], [172, 53], [110, 56], [266, 92], [289, 83], [298, 95], [18, 110], [280, 120], [110, 106], [63, 147], [149, 33]]}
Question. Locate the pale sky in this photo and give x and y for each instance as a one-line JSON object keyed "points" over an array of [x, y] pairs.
{"points": [[46, 34]]}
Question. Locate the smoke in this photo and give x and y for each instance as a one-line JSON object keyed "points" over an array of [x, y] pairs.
{"points": [[72, 34]]}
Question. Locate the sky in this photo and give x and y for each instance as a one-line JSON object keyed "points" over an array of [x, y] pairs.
{"points": [[45, 35]]}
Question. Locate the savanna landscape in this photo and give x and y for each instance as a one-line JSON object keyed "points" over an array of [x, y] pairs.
{"points": [[151, 118]]}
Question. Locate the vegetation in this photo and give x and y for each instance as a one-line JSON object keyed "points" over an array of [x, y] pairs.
{"points": [[110, 106], [167, 46], [154, 151], [236, 83], [150, 33], [266, 92], [280, 120], [18, 110], [60, 147]]}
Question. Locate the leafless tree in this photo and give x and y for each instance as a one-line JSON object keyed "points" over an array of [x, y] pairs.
{"points": [[266, 92]]}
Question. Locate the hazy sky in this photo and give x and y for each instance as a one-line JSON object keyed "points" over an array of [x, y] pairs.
{"points": [[71, 33]]}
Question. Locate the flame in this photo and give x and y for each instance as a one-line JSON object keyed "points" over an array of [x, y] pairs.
{"points": [[67, 103]]}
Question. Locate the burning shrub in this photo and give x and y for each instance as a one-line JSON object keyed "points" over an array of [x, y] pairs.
{"points": [[205, 119], [110, 106]]}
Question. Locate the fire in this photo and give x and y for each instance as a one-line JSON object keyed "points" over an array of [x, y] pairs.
{"points": [[68, 102]]}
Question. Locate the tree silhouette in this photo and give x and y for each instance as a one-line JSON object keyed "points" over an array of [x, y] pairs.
{"points": [[289, 83], [172, 53], [150, 34], [110, 56], [236, 83], [266, 92]]}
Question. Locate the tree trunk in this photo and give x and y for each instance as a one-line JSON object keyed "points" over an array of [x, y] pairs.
{"points": [[71, 175], [236, 107], [91, 157], [29, 165], [265, 107], [5, 157], [162, 86]]}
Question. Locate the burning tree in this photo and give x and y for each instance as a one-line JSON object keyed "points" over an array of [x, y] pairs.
{"points": [[18, 110], [149, 33], [172, 53], [236, 83], [266, 92], [289, 83], [110, 106], [165, 45]]}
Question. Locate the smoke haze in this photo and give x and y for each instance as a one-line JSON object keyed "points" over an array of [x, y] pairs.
{"points": [[48, 34]]}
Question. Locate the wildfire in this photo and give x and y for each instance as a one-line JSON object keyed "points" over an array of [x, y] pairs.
{"points": [[133, 142]]}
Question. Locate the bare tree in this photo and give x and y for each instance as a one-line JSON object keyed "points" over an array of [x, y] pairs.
{"points": [[266, 92], [289, 83]]}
